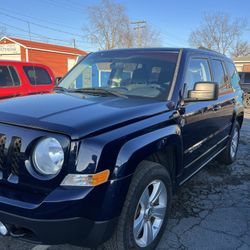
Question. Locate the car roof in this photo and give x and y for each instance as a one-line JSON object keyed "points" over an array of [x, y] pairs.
{"points": [[12, 62], [203, 51]]}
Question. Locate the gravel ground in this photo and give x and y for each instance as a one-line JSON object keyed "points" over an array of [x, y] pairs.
{"points": [[212, 211]]}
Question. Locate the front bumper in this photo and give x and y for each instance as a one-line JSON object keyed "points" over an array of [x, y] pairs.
{"points": [[75, 231], [77, 216]]}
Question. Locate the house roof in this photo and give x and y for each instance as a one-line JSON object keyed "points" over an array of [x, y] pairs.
{"points": [[242, 59], [45, 46]]}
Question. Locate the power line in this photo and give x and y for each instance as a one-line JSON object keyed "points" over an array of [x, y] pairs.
{"points": [[68, 42], [47, 27], [39, 19], [37, 37], [68, 7], [40, 25], [34, 38], [20, 29]]}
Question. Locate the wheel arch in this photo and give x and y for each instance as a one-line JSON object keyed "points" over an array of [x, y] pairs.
{"points": [[163, 146]]}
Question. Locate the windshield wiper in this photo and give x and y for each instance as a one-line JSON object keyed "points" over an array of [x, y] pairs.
{"points": [[60, 88], [97, 91]]}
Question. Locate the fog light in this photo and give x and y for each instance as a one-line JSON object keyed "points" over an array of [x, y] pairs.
{"points": [[3, 229]]}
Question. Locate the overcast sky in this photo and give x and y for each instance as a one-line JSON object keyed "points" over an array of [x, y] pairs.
{"points": [[174, 19]]}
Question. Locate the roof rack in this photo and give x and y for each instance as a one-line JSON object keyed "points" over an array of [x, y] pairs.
{"points": [[204, 48]]}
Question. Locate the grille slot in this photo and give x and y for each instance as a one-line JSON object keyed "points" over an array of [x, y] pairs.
{"points": [[15, 155], [2, 147]]}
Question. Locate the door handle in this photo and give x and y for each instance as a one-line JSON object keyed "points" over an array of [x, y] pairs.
{"points": [[217, 108]]}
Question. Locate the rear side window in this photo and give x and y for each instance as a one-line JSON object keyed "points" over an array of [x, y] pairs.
{"points": [[198, 71], [233, 75], [8, 77], [247, 78], [220, 76], [37, 75], [15, 77]]}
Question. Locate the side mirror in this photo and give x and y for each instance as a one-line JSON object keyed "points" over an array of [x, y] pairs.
{"points": [[57, 80], [204, 91]]}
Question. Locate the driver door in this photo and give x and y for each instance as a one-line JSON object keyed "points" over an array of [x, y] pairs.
{"points": [[199, 119]]}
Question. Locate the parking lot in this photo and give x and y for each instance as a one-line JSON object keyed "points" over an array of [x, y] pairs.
{"points": [[212, 211]]}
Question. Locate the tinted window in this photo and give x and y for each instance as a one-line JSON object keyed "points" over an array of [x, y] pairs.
{"points": [[233, 75], [247, 78], [198, 71], [37, 75], [15, 77], [218, 71], [220, 76], [8, 77]]}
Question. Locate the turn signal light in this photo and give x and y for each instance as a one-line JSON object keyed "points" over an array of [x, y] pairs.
{"points": [[86, 180]]}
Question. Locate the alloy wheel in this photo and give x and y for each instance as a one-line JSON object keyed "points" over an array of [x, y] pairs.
{"points": [[234, 143], [150, 213]]}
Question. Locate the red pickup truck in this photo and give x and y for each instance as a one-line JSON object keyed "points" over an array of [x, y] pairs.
{"points": [[21, 78]]}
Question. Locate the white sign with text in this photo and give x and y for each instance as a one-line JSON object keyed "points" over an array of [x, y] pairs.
{"points": [[9, 49]]}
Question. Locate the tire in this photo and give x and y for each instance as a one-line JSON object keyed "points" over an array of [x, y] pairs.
{"points": [[227, 157], [148, 175]]}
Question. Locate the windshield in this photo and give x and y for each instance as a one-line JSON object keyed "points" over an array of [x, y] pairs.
{"points": [[130, 73]]}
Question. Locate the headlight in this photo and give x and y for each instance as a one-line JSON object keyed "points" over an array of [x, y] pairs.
{"points": [[48, 157]]}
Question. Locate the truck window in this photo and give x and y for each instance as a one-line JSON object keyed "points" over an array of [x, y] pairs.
{"points": [[8, 77], [37, 75], [247, 78], [15, 77], [198, 71]]}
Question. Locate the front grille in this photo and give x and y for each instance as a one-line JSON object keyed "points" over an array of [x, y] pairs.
{"points": [[15, 155], [2, 147], [10, 155]]}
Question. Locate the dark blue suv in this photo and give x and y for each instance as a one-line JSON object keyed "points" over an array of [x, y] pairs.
{"points": [[97, 161]]}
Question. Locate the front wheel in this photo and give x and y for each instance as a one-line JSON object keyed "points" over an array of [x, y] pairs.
{"points": [[145, 210]]}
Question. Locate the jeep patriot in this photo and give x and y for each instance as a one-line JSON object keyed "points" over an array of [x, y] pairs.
{"points": [[96, 161]]}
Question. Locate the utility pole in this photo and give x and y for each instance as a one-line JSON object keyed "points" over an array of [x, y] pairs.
{"points": [[138, 26], [74, 42], [29, 30]]}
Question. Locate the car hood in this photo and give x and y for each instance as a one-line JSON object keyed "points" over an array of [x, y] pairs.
{"points": [[76, 115]]}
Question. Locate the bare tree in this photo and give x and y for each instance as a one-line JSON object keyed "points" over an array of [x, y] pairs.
{"points": [[150, 37], [218, 32], [241, 49], [109, 27]]}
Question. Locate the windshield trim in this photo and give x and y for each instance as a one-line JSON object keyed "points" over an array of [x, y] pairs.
{"points": [[177, 67]]}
